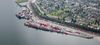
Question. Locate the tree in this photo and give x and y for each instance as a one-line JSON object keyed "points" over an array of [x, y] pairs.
{"points": [[73, 20]]}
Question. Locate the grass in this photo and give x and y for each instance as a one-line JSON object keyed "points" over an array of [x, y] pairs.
{"points": [[21, 1], [59, 12], [56, 13]]}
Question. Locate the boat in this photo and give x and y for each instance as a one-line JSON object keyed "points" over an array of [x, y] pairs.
{"points": [[48, 26], [51, 28]]}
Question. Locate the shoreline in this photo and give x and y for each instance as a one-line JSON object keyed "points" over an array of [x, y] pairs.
{"points": [[69, 24], [31, 7]]}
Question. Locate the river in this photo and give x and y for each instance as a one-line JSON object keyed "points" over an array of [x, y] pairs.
{"points": [[13, 32]]}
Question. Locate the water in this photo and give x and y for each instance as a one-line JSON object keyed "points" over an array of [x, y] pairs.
{"points": [[13, 32]]}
